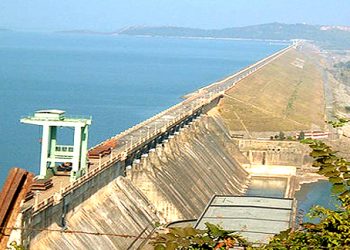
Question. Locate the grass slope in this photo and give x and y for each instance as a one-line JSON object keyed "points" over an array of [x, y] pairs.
{"points": [[279, 97]]}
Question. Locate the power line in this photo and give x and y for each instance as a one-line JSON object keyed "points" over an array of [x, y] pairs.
{"points": [[74, 232], [153, 238]]}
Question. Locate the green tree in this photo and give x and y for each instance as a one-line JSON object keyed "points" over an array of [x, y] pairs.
{"points": [[281, 136], [332, 232], [301, 135], [213, 237]]}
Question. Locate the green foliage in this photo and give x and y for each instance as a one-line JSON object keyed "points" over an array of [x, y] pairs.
{"points": [[191, 238], [339, 122], [301, 135], [335, 168], [157, 224], [15, 246], [345, 65], [332, 232]]}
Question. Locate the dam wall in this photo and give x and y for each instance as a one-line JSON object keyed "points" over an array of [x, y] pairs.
{"points": [[180, 177], [174, 181], [55, 214], [117, 211], [53, 210], [269, 152]]}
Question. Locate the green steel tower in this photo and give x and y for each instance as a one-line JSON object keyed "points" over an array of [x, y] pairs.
{"points": [[51, 153]]}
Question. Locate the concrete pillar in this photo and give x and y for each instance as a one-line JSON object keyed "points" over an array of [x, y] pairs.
{"points": [[83, 153], [44, 151], [76, 151], [53, 142]]}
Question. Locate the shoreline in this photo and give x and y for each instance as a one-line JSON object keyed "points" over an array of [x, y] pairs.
{"points": [[92, 33], [210, 38]]}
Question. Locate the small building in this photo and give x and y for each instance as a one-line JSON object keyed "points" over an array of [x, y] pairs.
{"points": [[316, 135]]}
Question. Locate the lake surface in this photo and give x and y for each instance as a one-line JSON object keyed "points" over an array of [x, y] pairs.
{"points": [[119, 81]]}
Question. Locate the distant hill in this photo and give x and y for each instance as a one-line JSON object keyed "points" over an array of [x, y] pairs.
{"points": [[85, 32], [336, 37]]}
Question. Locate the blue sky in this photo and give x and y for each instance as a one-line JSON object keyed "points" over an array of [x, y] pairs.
{"points": [[108, 15]]}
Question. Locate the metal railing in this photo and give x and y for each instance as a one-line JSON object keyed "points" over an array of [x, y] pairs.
{"points": [[63, 117]]}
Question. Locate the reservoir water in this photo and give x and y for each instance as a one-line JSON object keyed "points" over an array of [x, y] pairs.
{"points": [[118, 80]]}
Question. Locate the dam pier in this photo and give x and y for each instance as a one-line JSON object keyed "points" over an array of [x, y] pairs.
{"points": [[163, 169]]}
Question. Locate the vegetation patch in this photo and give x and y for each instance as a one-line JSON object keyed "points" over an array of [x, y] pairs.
{"points": [[342, 72]]}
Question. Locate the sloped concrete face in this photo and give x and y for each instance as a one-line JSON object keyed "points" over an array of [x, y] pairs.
{"points": [[119, 208], [180, 177], [174, 181]]}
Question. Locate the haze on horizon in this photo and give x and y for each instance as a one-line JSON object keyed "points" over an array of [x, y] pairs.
{"points": [[111, 15]]}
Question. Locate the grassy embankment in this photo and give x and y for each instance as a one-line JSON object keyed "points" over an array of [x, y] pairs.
{"points": [[279, 97]]}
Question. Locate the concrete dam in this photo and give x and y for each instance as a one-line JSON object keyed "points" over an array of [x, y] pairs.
{"points": [[152, 177], [174, 182]]}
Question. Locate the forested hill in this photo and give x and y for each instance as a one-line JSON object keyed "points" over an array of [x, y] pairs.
{"points": [[327, 36]]}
